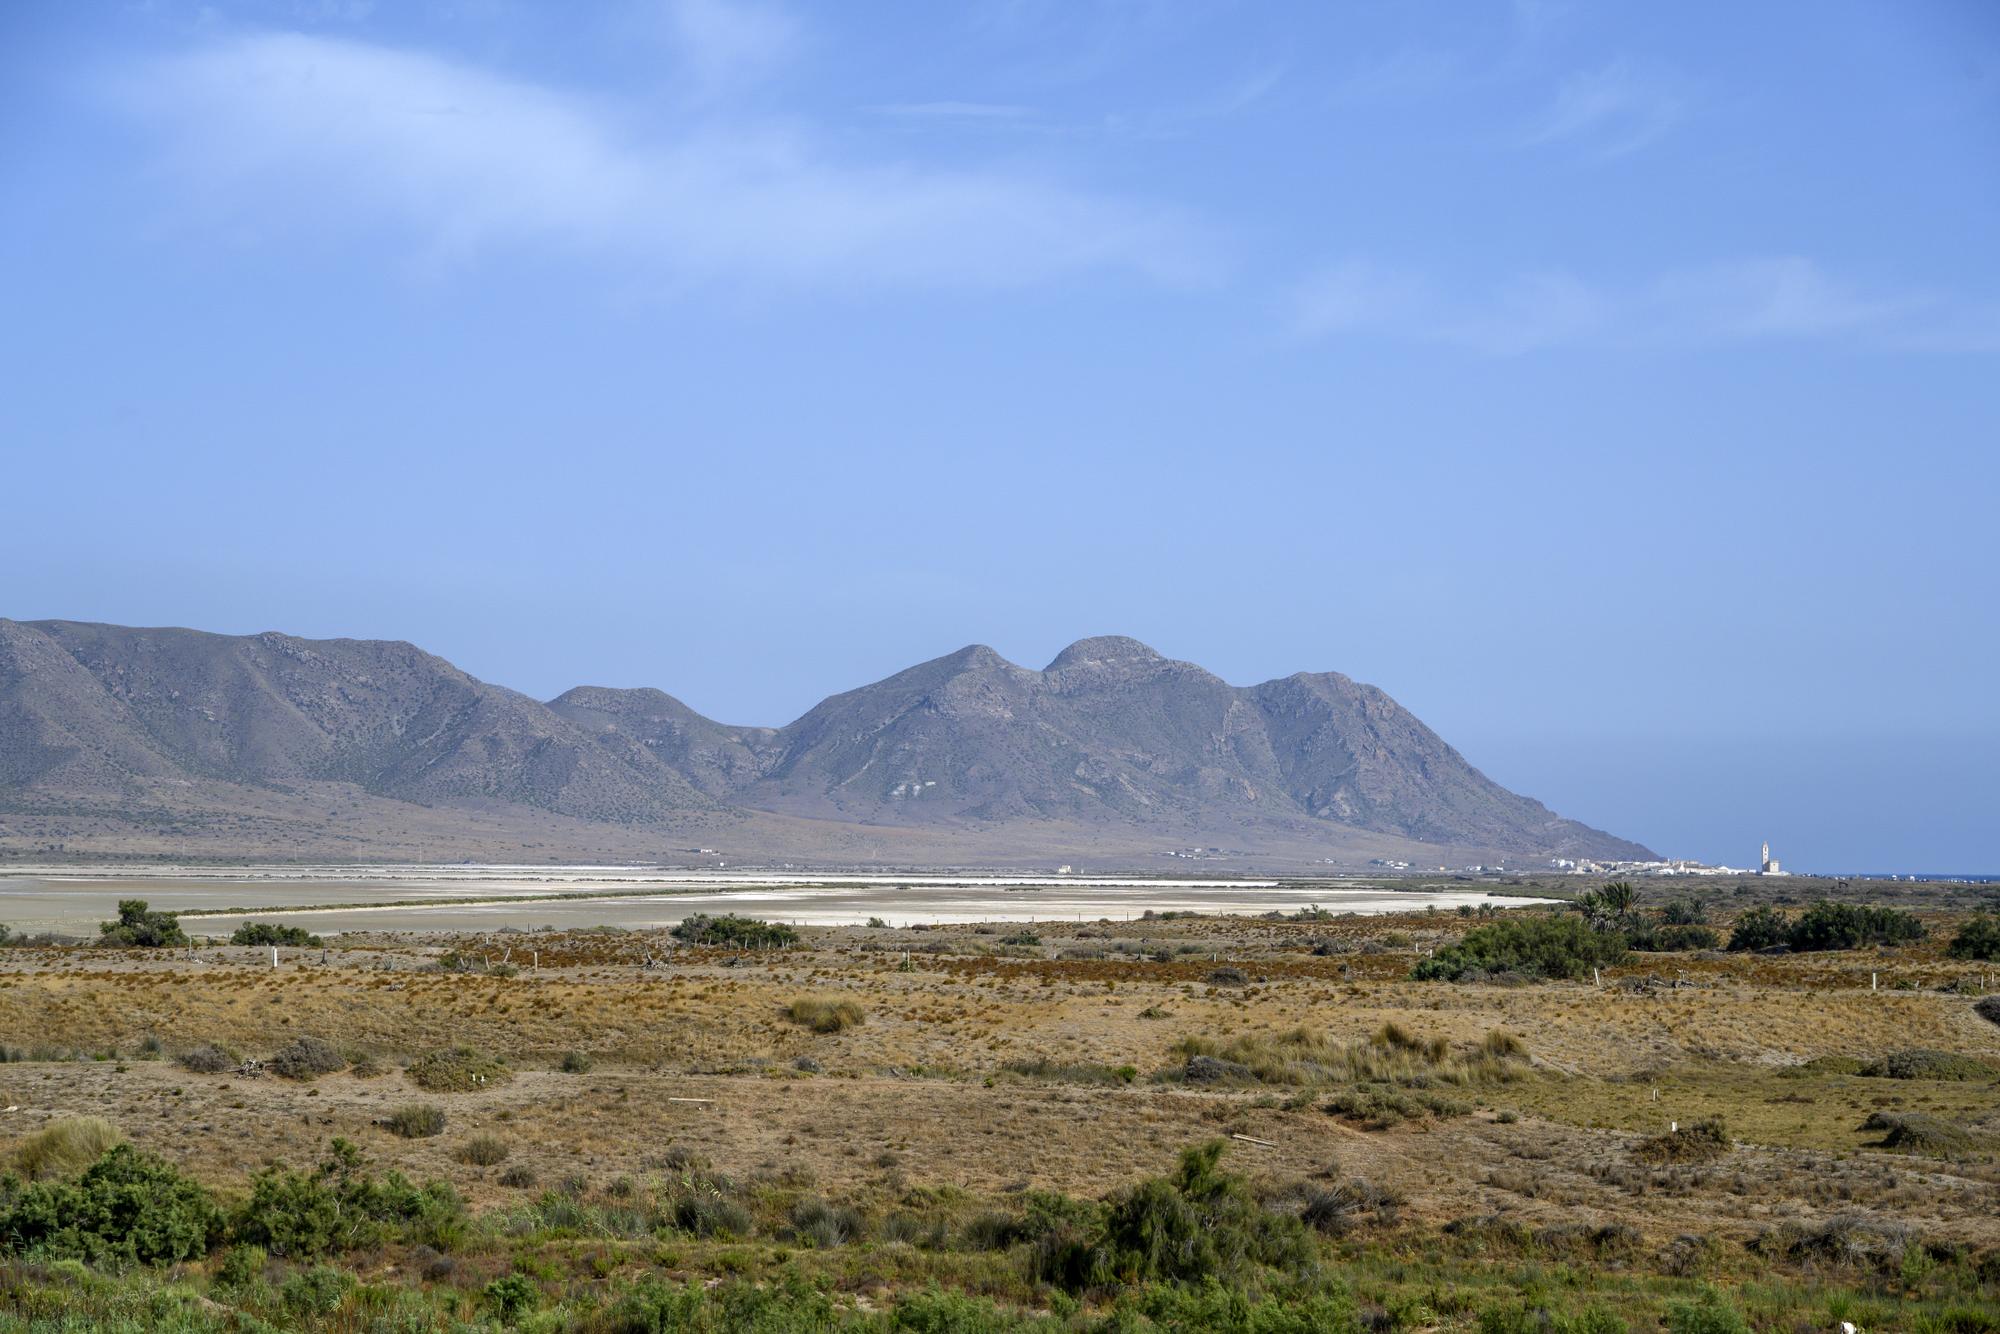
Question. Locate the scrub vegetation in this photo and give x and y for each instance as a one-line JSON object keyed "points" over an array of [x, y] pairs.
{"points": [[1541, 1120]]}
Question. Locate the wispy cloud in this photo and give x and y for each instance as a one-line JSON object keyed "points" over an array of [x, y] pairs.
{"points": [[953, 110], [724, 42], [1611, 111], [295, 131], [1760, 299]]}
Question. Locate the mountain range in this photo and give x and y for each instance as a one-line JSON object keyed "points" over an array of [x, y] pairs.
{"points": [[117, 741]]}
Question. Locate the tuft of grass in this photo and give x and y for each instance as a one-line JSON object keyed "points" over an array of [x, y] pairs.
{"points": [[576, 1063], [417, 1120], [66, 1147], [457, 1070], [1392, 1056], [483, 1151], [825, 1016], [1072, 1072]]}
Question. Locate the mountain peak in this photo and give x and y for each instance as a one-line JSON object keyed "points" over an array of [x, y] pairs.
{"points": [[1103, 650]]}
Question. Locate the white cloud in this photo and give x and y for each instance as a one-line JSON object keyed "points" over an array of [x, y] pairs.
{"points": [[292, 131], [1749, 300]]}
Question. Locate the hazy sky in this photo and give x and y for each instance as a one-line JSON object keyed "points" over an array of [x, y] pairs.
{"points": [[1617, 385]]}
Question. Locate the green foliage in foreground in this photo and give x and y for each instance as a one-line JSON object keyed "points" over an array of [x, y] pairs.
{"points": [[1196, 1251], [127, 1205], [731, 930], [138, 924], [1534, 946]]}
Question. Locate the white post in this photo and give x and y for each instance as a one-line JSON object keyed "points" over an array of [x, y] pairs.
{"points": [[274, 956], [1874, 981]]}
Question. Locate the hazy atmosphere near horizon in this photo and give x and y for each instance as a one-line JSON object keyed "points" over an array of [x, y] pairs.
{"points": [[1616, 386]]}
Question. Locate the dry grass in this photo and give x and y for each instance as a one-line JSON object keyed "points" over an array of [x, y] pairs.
{"points": [[825, 1016], [66, 1148], [986, 1072], [457, 1070]]}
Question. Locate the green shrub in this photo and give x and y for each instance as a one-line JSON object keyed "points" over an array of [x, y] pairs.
{"points": [[418, 1120], [138, 924], [825, 1016], [1199, 1224], [1760, 928], [1668, 937], [511, 1296], [1710, 1316], [1540, 945], [576, 1063], [339, 1207], [315, 1292], [269, 933], [1848, 926], [731, 930], [458, 1070], [241, 1267], [1977, 939], [127, 1206], [306, 1058], [64, 1148]]}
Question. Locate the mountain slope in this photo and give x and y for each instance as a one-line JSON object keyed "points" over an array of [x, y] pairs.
{"points": [[1110, 742], [271, 710]]}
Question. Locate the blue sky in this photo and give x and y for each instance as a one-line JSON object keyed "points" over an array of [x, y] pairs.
{"points": [[1617, 385]]}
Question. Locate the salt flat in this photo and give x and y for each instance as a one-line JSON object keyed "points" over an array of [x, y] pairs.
{"points": [[418, 898]]}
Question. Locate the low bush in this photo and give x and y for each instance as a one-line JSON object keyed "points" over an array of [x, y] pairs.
{"points": [[576, 1063], [483, 1151], [126, 1206], [731, 930], [270, 933], [1977, 939], [1381, 1107], [1848, 926], [1670, 937], [418, 1120], [1540, 945], [1760, 928], [64, 1148], [1988, 1009], [139, 925], [209, 1059], [1198, 1225], [1922, 1063], [1703, 1141], [307, 1058], [1918, 1132], [457, 1070], [1337, 1210], [340, 1207], [825, 1016]]}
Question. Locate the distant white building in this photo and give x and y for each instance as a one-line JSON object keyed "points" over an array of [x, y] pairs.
{"points": [[1769, 865]]}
